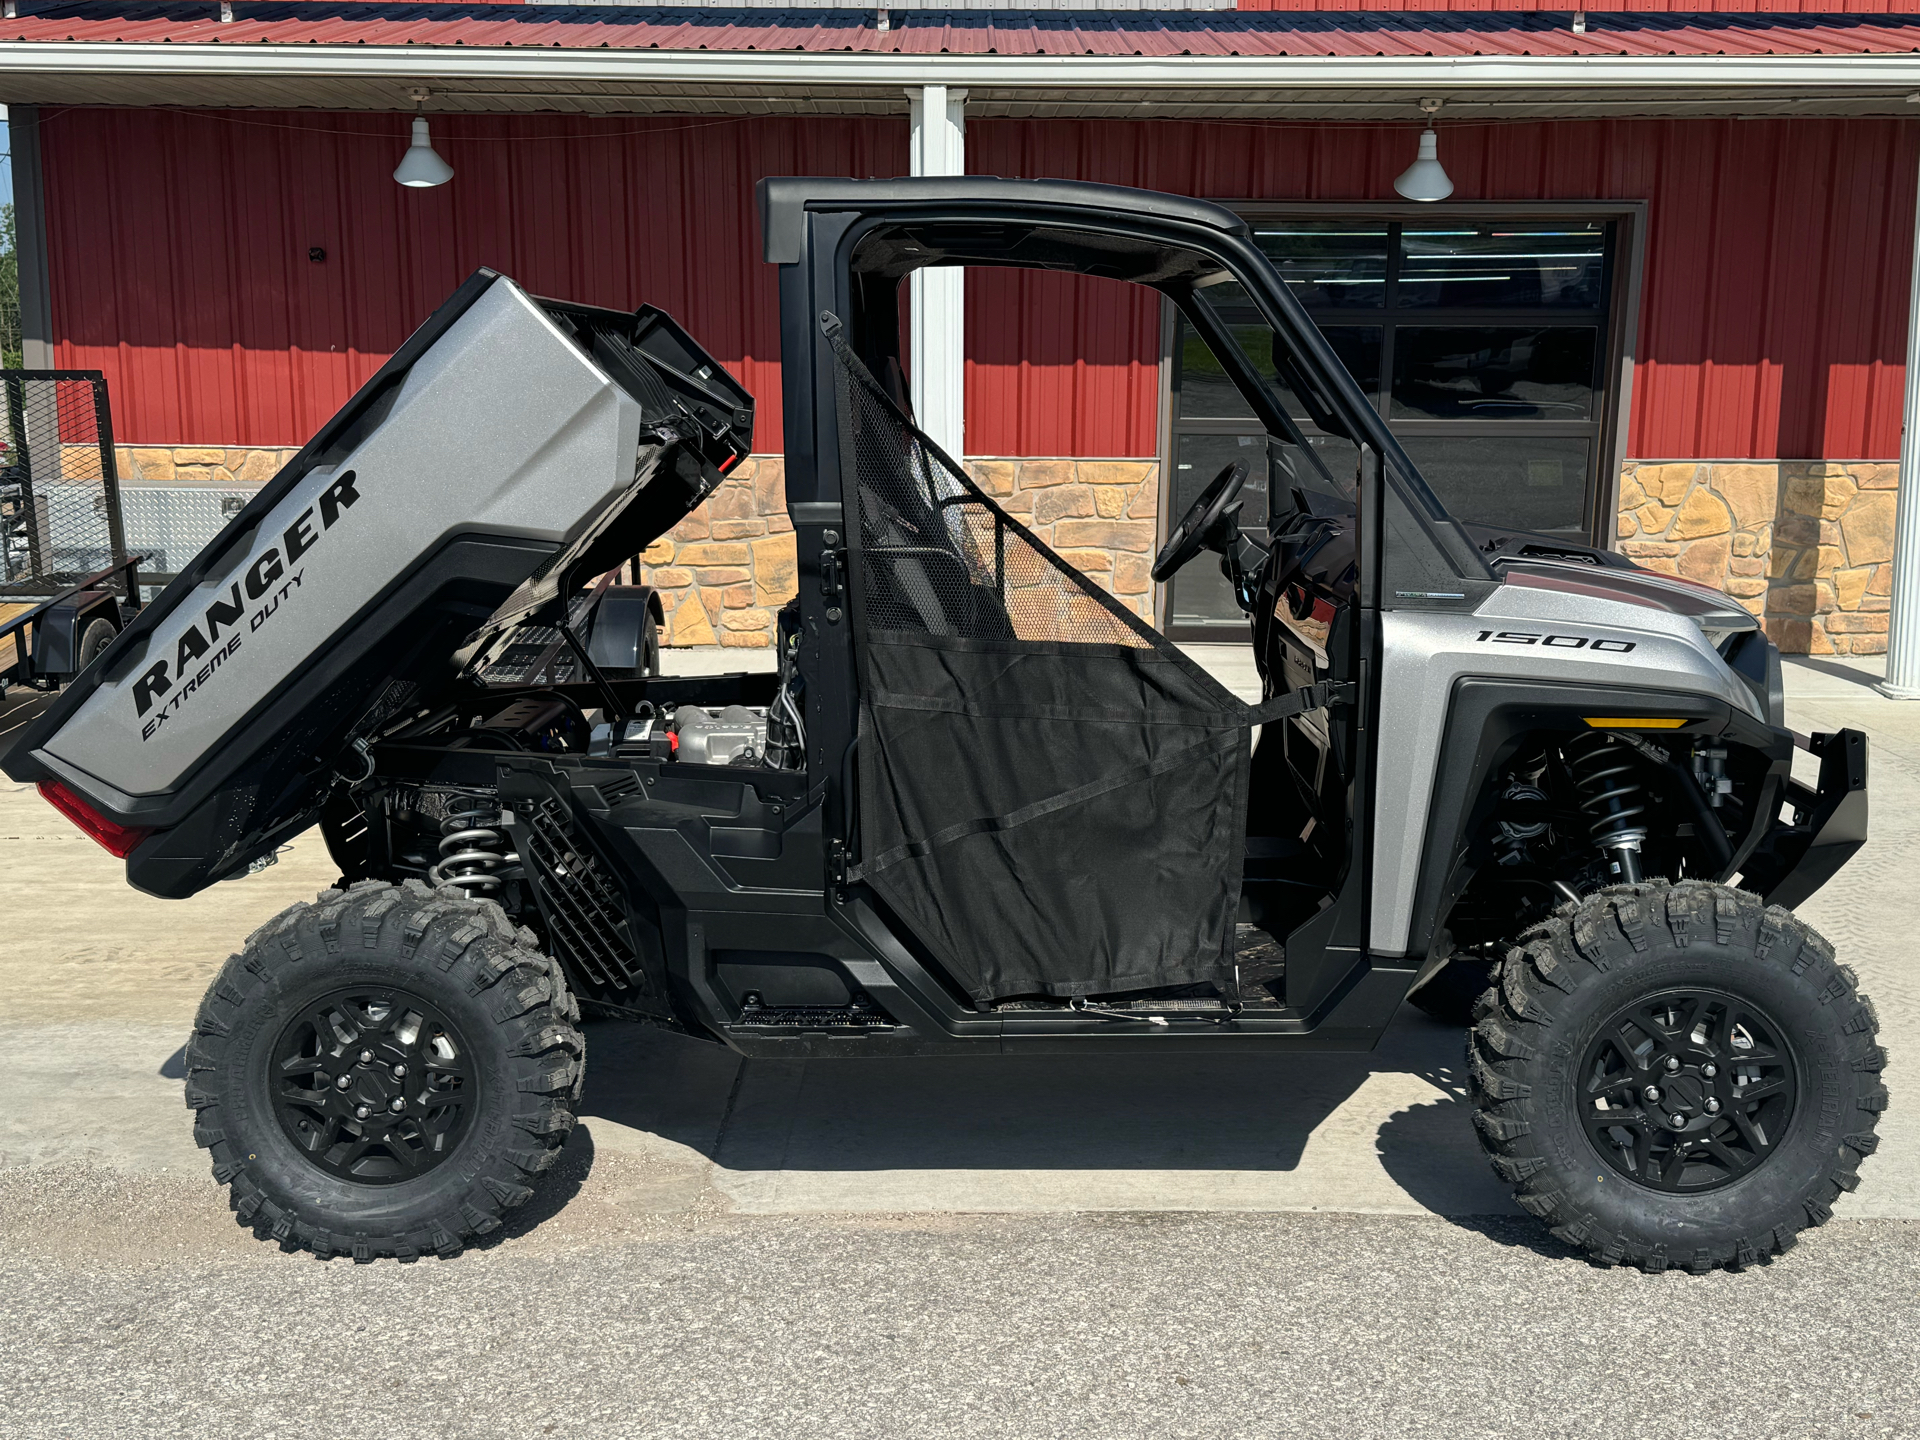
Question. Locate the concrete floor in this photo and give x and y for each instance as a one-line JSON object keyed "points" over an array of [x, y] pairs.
{"points": [[679, 1141]]}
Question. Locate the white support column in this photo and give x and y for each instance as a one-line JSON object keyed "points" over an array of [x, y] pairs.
{"points": [[1904, 625], [935, 352]]}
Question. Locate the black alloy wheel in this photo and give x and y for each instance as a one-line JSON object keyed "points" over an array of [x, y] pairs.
{"points": [[1676, 1074], [373, 1086], [1689, 1090], [359, 1044]]}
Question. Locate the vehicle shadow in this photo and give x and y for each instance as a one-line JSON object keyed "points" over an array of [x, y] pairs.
{"points": [[559, 1186], [1114, 1114], [1430, 1151]]}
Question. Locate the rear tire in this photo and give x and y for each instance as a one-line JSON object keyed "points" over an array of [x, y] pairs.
{"points": [[374, 997], [649, 647], [1774, 1076]]}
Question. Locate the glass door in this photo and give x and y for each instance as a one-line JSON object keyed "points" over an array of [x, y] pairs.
{"points": [[1482, 341]]}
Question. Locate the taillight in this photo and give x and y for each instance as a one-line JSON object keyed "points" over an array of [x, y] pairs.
{"points": [[116, 838]]}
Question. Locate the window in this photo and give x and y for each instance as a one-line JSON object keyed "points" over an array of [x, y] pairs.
{"points": [[1484, 340]]}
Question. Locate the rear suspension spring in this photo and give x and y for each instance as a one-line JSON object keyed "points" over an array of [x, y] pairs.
{"points": [[472, 847], [1606, 781]]}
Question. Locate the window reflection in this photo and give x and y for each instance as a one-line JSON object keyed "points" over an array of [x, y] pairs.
{"points": [[1516, 482], [1502, 265], [1493, 373], [1202, 390], [1330, 263], [1480, 340]]}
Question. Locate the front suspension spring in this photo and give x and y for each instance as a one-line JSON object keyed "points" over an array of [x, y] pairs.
{"points": [[1606, 781]]}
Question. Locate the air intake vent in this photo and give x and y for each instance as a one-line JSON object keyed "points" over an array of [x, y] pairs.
{"points": [[616, 788], [586, 922]]}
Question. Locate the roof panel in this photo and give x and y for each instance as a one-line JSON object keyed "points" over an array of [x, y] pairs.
{"points": [[966, 32]]}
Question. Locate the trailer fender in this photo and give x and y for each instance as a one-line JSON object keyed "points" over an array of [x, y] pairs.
{"points": [[57, 635]]}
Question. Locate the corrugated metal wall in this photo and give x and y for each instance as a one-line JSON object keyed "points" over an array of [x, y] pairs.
{"points": [[1773, 315], [179, 244], [1774, 304]]}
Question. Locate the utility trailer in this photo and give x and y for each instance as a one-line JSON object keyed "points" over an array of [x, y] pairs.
{"points": [[981, 807], [67, 583]]}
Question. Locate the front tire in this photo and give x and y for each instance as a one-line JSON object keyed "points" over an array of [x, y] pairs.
{"points": [[384, 1072], [1676, 1075]]}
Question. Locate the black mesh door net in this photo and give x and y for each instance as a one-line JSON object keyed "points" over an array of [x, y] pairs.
{"points": [[1050, 793]]}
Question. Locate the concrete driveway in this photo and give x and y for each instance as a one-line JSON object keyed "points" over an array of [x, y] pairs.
{"points": [[1073, 1246]]}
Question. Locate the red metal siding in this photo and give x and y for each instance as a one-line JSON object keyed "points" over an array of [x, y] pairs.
{"points": [[1060, 365], [179, 244], [1774, 303], [1772, 324]]}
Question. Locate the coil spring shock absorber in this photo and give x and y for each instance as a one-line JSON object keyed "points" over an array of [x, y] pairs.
{"points": [[1607, 784], [472, 847]]}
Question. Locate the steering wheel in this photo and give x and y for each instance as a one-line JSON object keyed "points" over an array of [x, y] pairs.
{"points": [[1191, 534]]}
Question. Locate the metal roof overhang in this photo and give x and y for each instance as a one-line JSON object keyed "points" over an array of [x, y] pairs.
{"points": [[607, 81]]}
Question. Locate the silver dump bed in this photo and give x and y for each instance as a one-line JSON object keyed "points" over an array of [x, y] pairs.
{"points": [[510, 434]]}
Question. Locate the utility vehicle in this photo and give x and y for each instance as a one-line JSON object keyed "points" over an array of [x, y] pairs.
{"points": [[982, 806]]}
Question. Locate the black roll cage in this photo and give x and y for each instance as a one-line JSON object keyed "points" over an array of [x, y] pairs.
{"points": [[842, 248]]}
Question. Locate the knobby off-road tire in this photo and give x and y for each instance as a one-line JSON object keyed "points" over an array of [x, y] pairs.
{"points": [[1551, 1030], [508, 1045]]}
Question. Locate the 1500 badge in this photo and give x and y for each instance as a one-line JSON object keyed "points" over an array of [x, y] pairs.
{"points": [[1559, 642]]}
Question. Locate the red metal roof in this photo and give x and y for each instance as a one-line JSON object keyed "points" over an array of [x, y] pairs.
{"points": [[1352, 33]]}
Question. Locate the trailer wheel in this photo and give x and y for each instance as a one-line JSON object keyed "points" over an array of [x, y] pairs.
{"points": [[384, 1072], [1676, 1075], [95, 638]]}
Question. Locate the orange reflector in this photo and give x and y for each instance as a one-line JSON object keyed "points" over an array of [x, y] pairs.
{"points": [[1634, 722]]}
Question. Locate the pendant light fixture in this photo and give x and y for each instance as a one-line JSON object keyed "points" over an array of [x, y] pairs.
{"points": [[422, 167], [1425, 180]]}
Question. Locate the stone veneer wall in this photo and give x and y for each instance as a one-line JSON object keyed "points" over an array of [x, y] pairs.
{"points": [[725, 569], [1806, 546], [212, 465]]}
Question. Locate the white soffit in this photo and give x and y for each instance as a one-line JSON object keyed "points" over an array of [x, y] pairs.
{"points": [[1675, 74]]}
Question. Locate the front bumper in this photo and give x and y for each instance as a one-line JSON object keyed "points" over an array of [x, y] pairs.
{"points": [[1830, 823]]}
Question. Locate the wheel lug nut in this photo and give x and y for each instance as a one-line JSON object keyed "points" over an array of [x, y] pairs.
{"points": [[366, 1057], [1673, 1063], [1714, 1105], [1678, 1119], [397, 1104], [342, 1082], [1708, 1070], [1651, 1093], [362, 1112], [400, 1072]]}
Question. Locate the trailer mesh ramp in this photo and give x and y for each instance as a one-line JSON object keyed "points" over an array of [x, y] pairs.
{"points": [[1050, 792], [59, 492]]}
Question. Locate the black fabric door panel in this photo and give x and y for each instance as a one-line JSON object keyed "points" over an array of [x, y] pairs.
{"points": [[1050, 794], [1053, 819]]}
